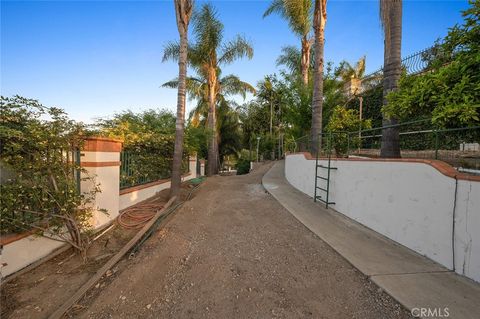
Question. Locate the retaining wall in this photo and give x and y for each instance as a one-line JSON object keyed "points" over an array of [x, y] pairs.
{"points": [[413, 202]]}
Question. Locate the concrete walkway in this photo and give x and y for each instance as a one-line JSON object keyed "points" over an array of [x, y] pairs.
{"points": [[413, 280]]}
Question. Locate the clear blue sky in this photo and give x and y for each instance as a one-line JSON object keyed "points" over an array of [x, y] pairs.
{"points": [[95, 58]]}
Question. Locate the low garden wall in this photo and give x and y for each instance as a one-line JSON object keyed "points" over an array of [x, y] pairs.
{"points": [[101, 158], [425, 205], [133, 195]]}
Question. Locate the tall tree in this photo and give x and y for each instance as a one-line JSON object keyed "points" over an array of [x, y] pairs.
{"points": [[209, 32], [319, 20], [197, 88], [206, 57], [391, 17], [183, 12], [298, 13]]}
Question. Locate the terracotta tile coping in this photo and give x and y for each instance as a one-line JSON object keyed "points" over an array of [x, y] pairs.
{"points": [[102, 144], [147, 185], [442, 167], [10, 238]]}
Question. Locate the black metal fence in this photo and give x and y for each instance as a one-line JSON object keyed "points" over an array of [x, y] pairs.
{"points": [[416, 63], [459, 147], [138, 168]]}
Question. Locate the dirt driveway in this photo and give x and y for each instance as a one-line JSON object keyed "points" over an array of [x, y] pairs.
{"points": [[234, 252]]}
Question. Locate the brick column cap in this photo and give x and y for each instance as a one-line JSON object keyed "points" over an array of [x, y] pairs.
{"points": [[102, 144]]}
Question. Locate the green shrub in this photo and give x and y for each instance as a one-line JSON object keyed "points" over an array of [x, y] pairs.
{"points": [[243, 167], [344, 120], [37, 144]]}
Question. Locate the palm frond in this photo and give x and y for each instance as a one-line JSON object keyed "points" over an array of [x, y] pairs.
{"points": [[235, 49], [275, 7], [171, 51], [291, 58], [196, 88], [232, 85], [360, 68], [299, 13], [208, 29]]}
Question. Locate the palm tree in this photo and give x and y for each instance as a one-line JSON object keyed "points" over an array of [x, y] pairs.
{"points": [[346, 71], [183, 12], [206, 57], [352, 76], [391, 16], [298, 13], [319, 20], [226, 86], [267, 93], [291, 58]]}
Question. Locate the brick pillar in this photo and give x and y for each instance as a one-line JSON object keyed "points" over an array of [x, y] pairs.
{"points": [[101, 159]]}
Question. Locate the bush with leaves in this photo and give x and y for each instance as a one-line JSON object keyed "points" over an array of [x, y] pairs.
{"points": [[149, 139], [242, 166], [37, 145], [450, 91], [341, 127]]}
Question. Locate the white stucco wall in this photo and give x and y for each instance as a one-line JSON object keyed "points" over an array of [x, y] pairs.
{"points": [[25, 251], [410, 203], [467, 229], [134, 197]]}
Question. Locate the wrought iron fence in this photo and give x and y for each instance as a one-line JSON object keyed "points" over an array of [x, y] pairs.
{"points": [[139, 168], [459, 147], [416, 63]]}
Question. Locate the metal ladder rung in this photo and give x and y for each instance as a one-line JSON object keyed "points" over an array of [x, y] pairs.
{"points": [[322, 166], [324, 178], [323, 189]]}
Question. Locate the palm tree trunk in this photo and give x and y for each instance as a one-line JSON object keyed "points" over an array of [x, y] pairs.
{"points": [[305, 63], [390, 145], [317, 101], [212, 127], [183, 9]]}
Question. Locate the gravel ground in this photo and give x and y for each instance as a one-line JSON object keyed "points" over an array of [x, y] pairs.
{"points": [[234, 252]]}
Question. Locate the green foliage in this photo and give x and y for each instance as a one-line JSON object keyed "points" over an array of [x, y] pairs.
{"points": [[37, 145], [131, 127], [342, 122], [243, 166], [297, 101], [149, 140], [450, 91], [346, 71], [297, 13], [297, 104], [291, 101], [372, 105], [230, 135]]}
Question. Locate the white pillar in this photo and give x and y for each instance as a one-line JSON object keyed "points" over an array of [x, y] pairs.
{"points": [[101, 160], [202, 167], [192, 165]]}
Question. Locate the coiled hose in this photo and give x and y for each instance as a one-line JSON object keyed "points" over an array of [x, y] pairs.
{"points": [[137, 216]]}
